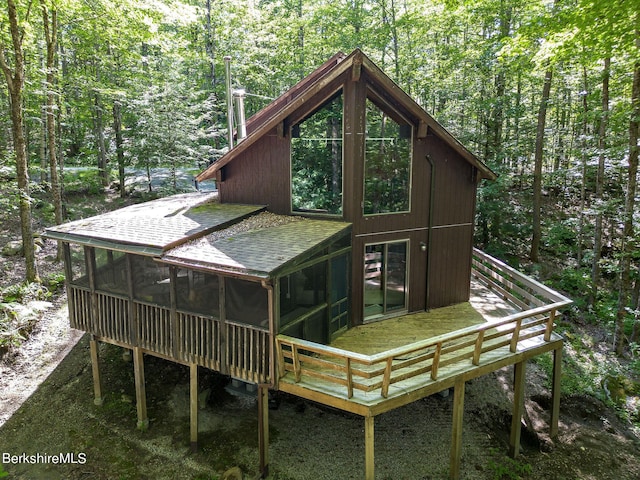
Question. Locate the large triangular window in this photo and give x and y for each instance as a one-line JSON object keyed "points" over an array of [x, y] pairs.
{"points": [[316, 161], [387, 163]]}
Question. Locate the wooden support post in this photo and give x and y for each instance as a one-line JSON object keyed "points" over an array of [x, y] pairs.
{"points": [[141, 396], [456, 429], [518, 408], [555, 391], [193, 399], [263, 429], [369, 437], [95, 369]]}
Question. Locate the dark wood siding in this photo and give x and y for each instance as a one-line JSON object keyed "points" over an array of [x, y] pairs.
{"points": [[261, 176], [452, 225], [450, 265]]}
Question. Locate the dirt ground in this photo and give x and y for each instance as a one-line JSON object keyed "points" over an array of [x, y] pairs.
{"points": [[308, 441], [47, 409]]}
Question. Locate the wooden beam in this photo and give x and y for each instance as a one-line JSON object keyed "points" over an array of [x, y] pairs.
{"points": [[518, 408], [193, 400], [141, 396], [95, 369], [555, 391], [456, 429], [423, 129], [263, 429], [369, 437]]}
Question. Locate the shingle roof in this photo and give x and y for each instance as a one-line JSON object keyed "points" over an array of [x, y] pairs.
{"points": [[194, 230], [259, 251], [155, 226]]}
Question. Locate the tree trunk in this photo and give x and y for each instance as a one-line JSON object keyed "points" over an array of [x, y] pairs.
{"points": [[537, 173], [117, 127], [210, 46], [50, 31], [15, 84], [602, 145], [583, 186], [99, 132], [628, 238]]}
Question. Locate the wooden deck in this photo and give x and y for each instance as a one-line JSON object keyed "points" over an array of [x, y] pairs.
{"points": [[377, 367]]}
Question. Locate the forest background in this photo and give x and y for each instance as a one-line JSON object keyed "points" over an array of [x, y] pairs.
{"points": [[546, 92]]}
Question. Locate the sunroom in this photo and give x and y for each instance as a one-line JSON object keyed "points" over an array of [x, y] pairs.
{"points": [[197, 282]]}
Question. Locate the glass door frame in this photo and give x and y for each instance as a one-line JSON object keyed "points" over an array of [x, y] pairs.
{"points": [[384, 277]]}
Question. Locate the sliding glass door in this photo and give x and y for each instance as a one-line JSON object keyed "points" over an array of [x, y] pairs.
{"points": [[385, 279]]}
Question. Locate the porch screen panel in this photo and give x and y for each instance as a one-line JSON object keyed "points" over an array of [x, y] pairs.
{"points": [[151, 281], [78, 266], [302, 294], [246, 302], [111, 271], [198, 292]]}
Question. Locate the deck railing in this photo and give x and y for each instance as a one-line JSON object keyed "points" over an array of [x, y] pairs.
{"points": [[241, 350], [342, 370]]}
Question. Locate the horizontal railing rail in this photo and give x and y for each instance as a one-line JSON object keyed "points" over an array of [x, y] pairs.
{"points": [[351, 371]]}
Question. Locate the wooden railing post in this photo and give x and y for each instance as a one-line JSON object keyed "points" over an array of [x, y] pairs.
{"points": [[549, 329], [478, 348], [515, 336], [436, 361], [349, 379], [296, 362], [387, 378]]}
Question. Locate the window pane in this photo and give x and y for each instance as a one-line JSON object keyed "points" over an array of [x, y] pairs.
{"points": [[111, 271], [373, 280], [396, 275], [385, 278], [387, 163], [316, 161]]}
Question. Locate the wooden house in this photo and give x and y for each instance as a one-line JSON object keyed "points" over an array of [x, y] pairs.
{"points": [[347, 206]]}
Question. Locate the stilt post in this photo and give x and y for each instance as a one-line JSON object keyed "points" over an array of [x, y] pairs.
{"points": [[456, 429], [555, 391], [518, 408], [369, 447], [95, 369], [263, 429], [193, 400], [141, 396]]}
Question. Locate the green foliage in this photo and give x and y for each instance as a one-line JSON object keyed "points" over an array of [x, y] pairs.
{"points": [[54, 282], [505, 468], [23, 293], [82, 180], [3, 472]]}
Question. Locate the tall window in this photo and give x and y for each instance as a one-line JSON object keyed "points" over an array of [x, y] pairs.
{"points": [[316, 161], [387, 164]]}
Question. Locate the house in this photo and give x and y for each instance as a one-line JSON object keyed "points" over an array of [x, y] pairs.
{"points": [[346, 206]]}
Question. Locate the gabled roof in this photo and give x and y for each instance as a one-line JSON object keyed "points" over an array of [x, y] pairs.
{"points": [[292, 100]]}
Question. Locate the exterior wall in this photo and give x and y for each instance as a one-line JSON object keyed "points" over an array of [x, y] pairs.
{"points": [[261, 176], [452, 226]]}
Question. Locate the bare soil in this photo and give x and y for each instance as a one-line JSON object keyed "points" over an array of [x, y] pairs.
{"points": [[46, 408]]}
